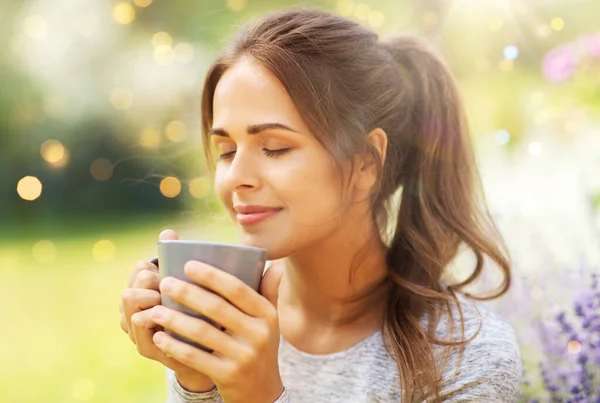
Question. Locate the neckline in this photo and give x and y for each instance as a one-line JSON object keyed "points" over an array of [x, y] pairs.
{"points": [[329, 356]]}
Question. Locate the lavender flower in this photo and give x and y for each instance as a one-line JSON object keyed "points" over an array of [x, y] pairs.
{"points": [[570, 371]]}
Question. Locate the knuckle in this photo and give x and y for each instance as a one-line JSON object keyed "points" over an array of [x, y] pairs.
{"points": [[247, 357], [145, 279], [141, 265], [127, 294], [213, 306], [238, 291], [188, 356], [262, 335], [137, 320]]}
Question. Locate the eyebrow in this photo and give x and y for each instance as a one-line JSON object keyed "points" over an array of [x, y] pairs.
{"points": [[253, 129]]}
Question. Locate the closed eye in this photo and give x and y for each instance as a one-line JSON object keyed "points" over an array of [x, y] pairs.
{"points": [[266, 151]]}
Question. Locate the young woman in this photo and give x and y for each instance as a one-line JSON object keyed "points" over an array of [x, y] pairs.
{"points": [[317, 125]]}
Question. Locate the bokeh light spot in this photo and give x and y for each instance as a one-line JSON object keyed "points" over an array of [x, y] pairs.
{"points": [[170, 187], [537, 293], [376, 19], [574, 347], [83, 389], [142, 3], [163, 55], [162, 38], [150, 138], [29, 188], [236, 5], [35, 27], [44, 251], [557, 24], [502, 137], [124, 13], [345, 7], [430, 18], [184, 52], [200, 187], [511, 52], [362, 11], [176, 130], [101, 169], [104, 251], [52, 151], [121, 98]]}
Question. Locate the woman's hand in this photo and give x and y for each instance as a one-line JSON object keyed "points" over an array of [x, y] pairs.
{"points": [[142, 294], [244, 363]]}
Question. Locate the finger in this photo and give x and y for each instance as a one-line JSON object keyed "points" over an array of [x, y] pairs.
{"points": [[123, 324], [136, 300], [147, 279], [269, 285], [168, 235], [196, 330], [190, 356], [139, 267], [143, 328], [208, 304], [229, 287]]}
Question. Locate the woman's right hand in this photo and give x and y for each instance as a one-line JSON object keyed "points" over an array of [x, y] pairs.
{"points": [[142, 293]]}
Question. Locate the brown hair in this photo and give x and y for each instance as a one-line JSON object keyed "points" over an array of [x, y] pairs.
{"points": [[345, 83]]}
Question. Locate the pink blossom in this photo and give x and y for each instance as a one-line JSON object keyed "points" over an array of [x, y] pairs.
{"points": [[558, 64], [590, 45]]}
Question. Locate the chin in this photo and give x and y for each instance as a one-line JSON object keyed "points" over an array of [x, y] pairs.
{"points": [[274, 247]]}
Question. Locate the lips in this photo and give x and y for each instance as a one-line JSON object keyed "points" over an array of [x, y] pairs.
{"points": [[249, 214]]}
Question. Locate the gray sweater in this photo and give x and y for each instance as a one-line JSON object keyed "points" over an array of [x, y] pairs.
{"points": [[365, 373]]}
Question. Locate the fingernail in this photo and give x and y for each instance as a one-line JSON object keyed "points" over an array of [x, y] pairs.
{"points": [[168, 284], [192, 268], [158, 312], [159, 338]]}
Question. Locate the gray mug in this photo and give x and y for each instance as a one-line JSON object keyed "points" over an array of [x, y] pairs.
{"points": [[244, 262]]}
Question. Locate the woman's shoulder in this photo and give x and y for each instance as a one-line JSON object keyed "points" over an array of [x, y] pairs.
{"points": [[490, 364]]}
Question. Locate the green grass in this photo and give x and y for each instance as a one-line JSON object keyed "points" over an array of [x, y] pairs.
{"points": [[61, 340]]}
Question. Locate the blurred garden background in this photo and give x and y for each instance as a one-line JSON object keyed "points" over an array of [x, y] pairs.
{"points": [[100, 150]]}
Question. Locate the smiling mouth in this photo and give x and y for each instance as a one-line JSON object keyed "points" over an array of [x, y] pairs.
{"points": [[249, 215]]}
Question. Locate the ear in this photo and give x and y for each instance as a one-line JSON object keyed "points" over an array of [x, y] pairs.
{"points": [[366, 168]]}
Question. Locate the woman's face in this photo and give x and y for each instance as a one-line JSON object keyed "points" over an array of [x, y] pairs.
{"points": [[278, 183]]}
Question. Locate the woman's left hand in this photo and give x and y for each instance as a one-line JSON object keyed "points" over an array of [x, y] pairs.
{"points": [[244, 363]]}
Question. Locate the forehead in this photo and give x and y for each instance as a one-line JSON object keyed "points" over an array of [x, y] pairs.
{"points": [[250, 94]]}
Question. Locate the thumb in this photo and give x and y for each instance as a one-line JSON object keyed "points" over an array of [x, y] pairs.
{"points": [[269, 285], [168, 235]]}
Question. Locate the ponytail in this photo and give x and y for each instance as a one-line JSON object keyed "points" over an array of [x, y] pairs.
{"points": [[438, 211]]}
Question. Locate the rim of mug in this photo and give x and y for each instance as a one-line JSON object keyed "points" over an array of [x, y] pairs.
{"points": [[209, 243]]}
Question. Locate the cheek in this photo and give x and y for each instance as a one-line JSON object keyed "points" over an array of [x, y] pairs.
{"points": [[311, 189], [221, 190]]}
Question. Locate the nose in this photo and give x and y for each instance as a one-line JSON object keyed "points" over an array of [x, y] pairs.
{"points": [[242, 173]]}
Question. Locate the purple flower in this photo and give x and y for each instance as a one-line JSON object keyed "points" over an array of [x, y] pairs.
{"points": [[590, 45], [559, 64], [572, 374]]}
